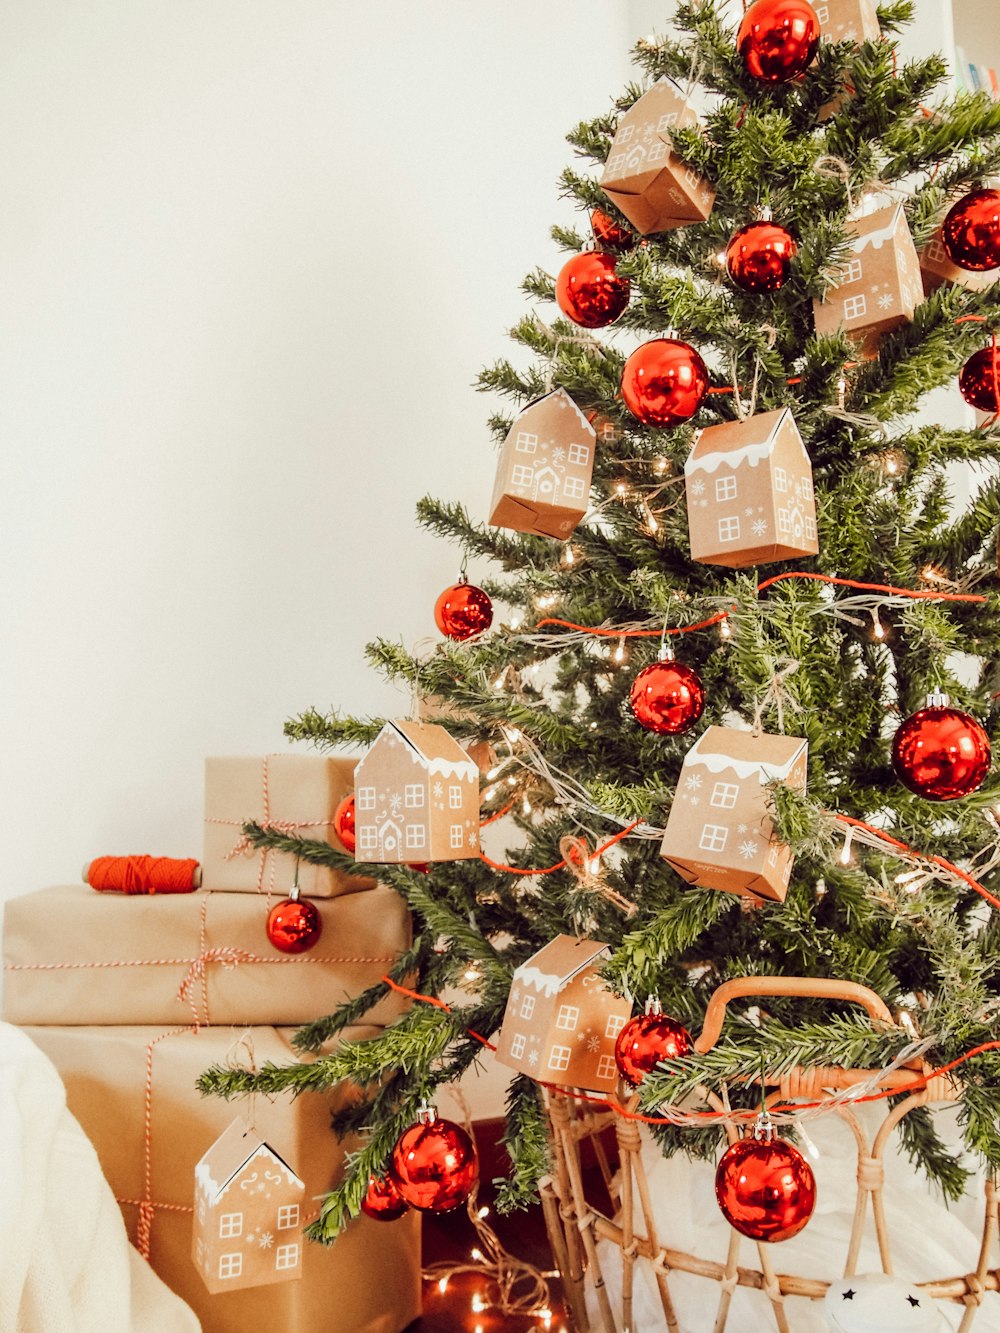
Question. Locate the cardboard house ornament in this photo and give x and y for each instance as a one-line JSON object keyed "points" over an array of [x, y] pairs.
{"points": [[848, 20], [879, 286], [719, 833], [546, 463], [561, 1021], [644, 177], [750, 497], [416, 797], [936, 268], [247, 1214]]}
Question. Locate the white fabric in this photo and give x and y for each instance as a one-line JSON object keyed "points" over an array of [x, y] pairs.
{"points": [[66, 1265], [928, 1239]]}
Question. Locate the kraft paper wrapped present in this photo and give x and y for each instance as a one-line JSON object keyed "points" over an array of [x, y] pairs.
{"points": [[296, 794], [73, 956], [367, 1282]]}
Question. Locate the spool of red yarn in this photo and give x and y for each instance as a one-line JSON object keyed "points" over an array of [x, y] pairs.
{"points": [[142, 874]]}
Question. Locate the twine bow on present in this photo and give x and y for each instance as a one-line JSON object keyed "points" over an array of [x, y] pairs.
{"points": [[229, 957]]}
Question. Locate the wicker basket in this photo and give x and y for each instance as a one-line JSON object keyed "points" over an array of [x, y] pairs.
{"points": [[575, 1224]]}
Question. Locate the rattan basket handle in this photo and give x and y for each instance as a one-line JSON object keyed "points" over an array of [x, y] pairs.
{"points": [[817, 988]]}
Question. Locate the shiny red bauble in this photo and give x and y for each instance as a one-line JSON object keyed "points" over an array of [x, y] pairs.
{"points": [[663, 382], [609, 234], [343, 823], [463, 610], [294, 925], [646, 1040], [382, 1200], [590, 291], [778, 39], [667, 697], [941, 753], [766, 1189], [971, 231], [434, 1166], [759, 257], [979, 382]]}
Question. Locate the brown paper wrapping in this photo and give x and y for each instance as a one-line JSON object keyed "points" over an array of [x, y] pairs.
{"points": [[367, 1282], [78, 957], [291, 793]]}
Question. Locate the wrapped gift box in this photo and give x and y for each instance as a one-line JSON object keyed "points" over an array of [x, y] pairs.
{"points": [[367, 1282], [74, 956], [296, 794]]}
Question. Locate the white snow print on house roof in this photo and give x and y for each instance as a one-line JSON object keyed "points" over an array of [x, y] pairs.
{"points": [[431, 745], [780, 761], [565, 957]]}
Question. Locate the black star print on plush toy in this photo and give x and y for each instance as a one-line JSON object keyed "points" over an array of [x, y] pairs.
{"points": [[847, 1295], [913, 1301]]}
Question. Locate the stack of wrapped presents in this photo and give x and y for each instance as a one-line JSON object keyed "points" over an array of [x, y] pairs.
{"points": [[133, 997]]}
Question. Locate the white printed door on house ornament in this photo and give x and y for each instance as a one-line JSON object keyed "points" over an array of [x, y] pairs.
{"points": [[389, 836]]}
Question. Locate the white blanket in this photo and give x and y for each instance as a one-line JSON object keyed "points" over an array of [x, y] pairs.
{"points": [[66, 1265]]}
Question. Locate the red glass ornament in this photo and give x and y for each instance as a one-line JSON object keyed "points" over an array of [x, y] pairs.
{"points": [[765, 1188], [941, 753], [667, 697], [663, 382], [422, 866], [971, 231], [609, 234], [590, 291], [463, 610], [434, 1164], [294, 925], [979, 382], [382, 1200], [778, 39], [759, 257], [646, 1040], [343, 823]]}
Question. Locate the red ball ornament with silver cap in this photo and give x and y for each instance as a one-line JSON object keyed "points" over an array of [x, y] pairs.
{"points": [[759, 257], [764, 1186], [941, 753], [463, 610], [294, 925], [343, 823], [434, 1164], [590, 291], [382, 1200], [667, 697], [646, 1040], [778, 39], [979, 382], [970, 232], [663, 382]]}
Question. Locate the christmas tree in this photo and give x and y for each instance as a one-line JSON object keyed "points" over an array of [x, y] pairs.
{"points": [[753, 290]]}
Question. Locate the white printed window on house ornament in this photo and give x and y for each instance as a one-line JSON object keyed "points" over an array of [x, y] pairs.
{"points": [[725, 488], [936, 251], [527, 1006], [667, 120], [807, 488], [823, 13], [614, 1025], [855, 307], [656, 151], [413, 795], [568, 1017], [579, 453], [573, 488], [780, 479], [367, 839], [416, 835], [724, 795], [457, 837], [286, 1256], [521, 476], [230, 1225], [626, 133], [784, 520], [230, 1265], [455, 796], [559, 1057], [853, 271], [772, 856], [288, 1216], [810, 527], [691, 177], [366, 798], [606, 1066], [713, 838], [517, 1046], [526, 443], [729, 529]]}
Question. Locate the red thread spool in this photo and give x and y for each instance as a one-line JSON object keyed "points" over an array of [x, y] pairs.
{"points": [[142, 874]]}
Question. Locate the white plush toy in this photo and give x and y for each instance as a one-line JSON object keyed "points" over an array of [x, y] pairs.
{"points": [[876, 1303]]}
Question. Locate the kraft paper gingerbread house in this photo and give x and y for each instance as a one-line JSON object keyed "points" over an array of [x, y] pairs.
{"points": [[879, 286], [247, 1215], [750, 494], [561, 1021], [643, 175], [719, 833], [546, 463], [416, 797], [936, 267], [848, 20]]}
